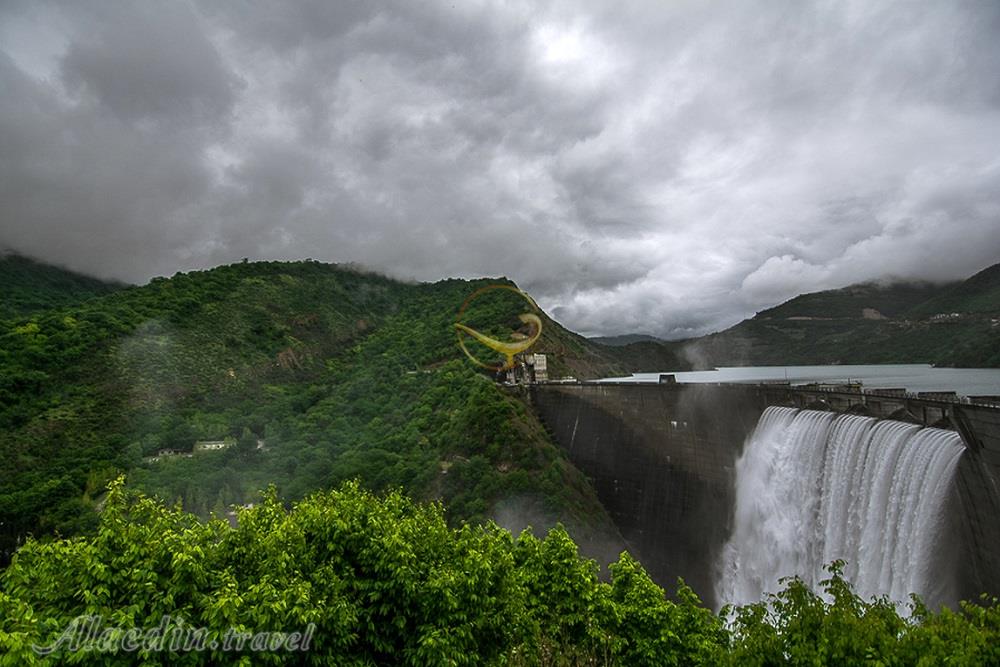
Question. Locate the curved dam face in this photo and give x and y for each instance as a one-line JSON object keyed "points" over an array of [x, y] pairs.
{"points": [[664, 460]]}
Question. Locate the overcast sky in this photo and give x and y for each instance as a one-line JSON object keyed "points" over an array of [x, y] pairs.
{"points": [[667, 167]]}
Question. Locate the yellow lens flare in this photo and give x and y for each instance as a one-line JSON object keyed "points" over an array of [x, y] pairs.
{"points": [[507, 349]]}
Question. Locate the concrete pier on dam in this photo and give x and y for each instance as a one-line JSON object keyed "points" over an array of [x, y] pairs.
{"points": [[662, 460]]}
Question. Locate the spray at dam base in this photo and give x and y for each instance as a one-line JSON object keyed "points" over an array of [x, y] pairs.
{"points": [[813, 487]]}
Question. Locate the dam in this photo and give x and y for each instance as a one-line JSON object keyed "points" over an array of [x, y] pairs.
{"points": [[666, 460]]}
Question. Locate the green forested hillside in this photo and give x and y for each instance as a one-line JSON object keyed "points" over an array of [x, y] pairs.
{"points": [[315, 374]]}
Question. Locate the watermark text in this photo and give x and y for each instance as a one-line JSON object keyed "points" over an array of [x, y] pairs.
{"points": [[173, 634]]}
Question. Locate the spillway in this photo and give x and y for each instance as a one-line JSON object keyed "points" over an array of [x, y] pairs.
{"points": [[812, 487]]}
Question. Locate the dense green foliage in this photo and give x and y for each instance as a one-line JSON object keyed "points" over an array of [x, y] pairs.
{"points": [[29, 286], [383, 580], [798, 626], [317, 373], [386, 581]]}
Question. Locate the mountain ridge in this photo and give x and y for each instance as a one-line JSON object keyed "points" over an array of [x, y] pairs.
{"points": [[948, 324]]}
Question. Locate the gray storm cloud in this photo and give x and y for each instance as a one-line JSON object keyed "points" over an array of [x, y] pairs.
{"points": [[660, 167]]}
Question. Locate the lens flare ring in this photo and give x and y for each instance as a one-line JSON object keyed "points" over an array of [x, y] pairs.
{"points": [[508, 350]]}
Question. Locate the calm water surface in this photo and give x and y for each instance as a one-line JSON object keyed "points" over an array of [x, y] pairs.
{"points": [[913, 377]]}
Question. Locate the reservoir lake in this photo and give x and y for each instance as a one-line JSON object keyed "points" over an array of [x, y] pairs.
{"points": [[912, 377]]}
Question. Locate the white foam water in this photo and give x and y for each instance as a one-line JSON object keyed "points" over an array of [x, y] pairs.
{"points": [[812, 487]]}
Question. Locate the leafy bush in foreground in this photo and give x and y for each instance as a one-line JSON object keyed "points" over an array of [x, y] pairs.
{"points": [[798, 626], [383, 580]]}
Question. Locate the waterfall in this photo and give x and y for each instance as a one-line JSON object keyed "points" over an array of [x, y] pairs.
{"points": [[813, 486]]}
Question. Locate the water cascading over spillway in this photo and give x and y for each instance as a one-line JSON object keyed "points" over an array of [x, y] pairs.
{"points": [[812, 487]]}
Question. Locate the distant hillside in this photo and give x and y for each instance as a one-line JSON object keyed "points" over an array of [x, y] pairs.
{"points": [[308, 374], [30, 286], [635, 353], [855, 302], [980, 294], [624, 339], [956, 324]]}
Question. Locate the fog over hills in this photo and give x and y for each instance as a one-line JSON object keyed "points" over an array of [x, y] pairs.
{"points": [[663, 167]]}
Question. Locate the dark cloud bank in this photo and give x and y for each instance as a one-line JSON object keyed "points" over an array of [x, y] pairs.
{"points": [[666, 167]]}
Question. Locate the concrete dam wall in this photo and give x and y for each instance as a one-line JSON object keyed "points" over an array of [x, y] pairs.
{"points": [[662, 459]]}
